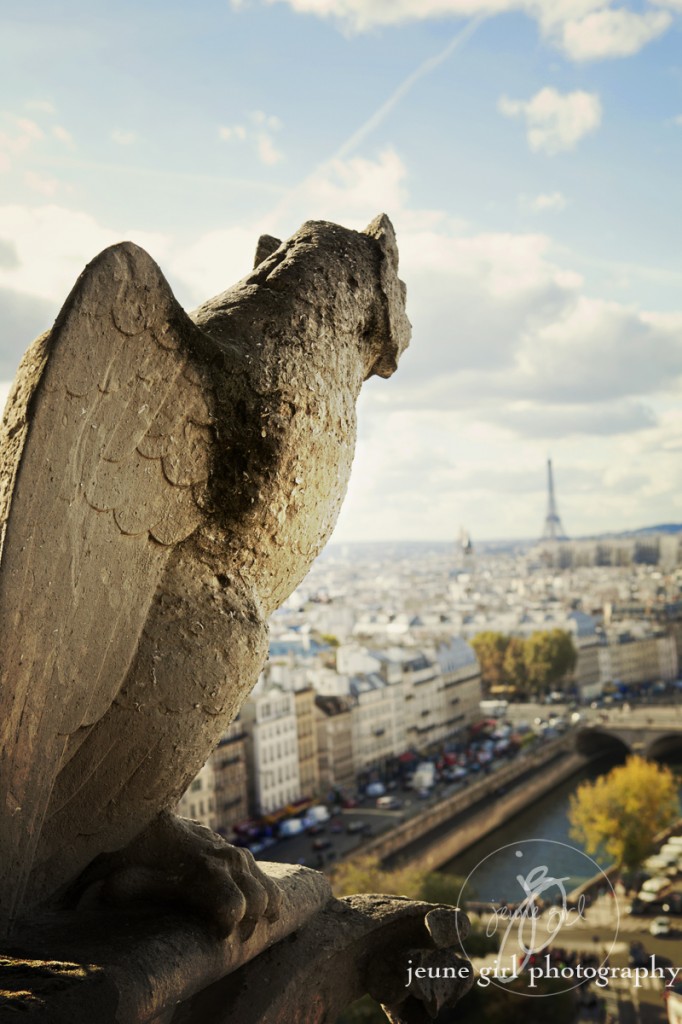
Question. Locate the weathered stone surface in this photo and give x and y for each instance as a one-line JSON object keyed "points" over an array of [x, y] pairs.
{"points": [[356, 945], [80, 968], [166, 483], [164, 970]]}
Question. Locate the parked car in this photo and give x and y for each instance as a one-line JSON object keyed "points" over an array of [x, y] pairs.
{"points": [[389, 803], [656, 885], [660, 926], [353, 826], [321, 844]]}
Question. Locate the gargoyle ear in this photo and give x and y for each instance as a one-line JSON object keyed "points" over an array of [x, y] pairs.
{"points": [[267, 244], [395, 335], [382, 229]]}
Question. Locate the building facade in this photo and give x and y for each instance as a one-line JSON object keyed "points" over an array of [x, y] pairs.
{"points": [[230, 775], [306, 734], [461, 687], [335, 743], [269, 717], [199, 801]]}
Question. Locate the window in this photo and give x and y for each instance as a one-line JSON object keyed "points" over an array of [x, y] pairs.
{"points": [[196, 785]]}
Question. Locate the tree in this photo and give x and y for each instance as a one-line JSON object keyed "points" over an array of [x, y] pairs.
{"points": [[514, 664], [365, 874], [490, 648], [549, 655], [620, 813]]}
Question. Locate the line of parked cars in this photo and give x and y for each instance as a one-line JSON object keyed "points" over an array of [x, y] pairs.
{"points": [[655, 895]]}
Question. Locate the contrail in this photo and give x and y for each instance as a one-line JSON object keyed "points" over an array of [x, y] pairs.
{"points": [[425, 68]]}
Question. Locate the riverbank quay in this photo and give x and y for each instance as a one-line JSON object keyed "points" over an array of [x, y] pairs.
{"points": [[434, 837], [593, 885]]}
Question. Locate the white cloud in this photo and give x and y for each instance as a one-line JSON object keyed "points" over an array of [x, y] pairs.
{"points": [[41, 106], [123, 138], [235, 131], [555, 122], [267, 151], [583, 29], [41, 183], [611, 33], [264, 124], [267, 121], [546, 201], [353, 191], [19, 137], [29, 129], [53, 244], [350, 192], [509, 352], [215, 261], [61, 133], [672, 5], [363, 15]]}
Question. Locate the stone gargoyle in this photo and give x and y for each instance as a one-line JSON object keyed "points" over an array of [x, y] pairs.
{"points": [[166, 482]]}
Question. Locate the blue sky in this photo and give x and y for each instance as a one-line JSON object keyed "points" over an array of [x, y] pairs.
{"points": [[527, 151]]}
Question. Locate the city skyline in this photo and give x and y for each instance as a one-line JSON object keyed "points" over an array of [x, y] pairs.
{"points": [[526, 152]]}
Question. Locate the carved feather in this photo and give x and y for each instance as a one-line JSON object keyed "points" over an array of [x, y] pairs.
{"points": [[116, 436]]}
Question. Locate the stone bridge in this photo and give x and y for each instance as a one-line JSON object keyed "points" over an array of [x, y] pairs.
{"points": [[654, 732]]}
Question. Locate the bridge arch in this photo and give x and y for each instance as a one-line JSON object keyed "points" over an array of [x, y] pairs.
{"points": [[664, 746], [600, 741]]}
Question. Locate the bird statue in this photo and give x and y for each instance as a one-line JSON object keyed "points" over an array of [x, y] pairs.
{"points": [[166, 481]]}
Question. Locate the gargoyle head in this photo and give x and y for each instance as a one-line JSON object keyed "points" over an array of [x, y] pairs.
{"points": [[393, 336]]}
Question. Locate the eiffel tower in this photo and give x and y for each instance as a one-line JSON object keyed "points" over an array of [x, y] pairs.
{"points": [[553, 528]]}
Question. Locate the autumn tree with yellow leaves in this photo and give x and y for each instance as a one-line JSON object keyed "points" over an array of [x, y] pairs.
{"points": [[620, 813]]}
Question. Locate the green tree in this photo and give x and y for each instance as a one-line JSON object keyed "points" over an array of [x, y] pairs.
{"points": [[549, 656], [365, 874], [514, 664], [620, 813], [437, 887], [490, 648]]}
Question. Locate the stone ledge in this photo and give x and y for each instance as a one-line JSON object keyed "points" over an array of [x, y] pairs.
{"points": [[145, 967], [115, 967]]}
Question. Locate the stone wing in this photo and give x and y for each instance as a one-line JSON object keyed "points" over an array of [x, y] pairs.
{"points": [[106, 451]]}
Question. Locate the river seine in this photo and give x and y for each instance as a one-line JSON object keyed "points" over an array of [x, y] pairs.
{"points": [[497, 877]]}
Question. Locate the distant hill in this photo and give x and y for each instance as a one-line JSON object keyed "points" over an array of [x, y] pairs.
{"points": [[643, 531]]}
